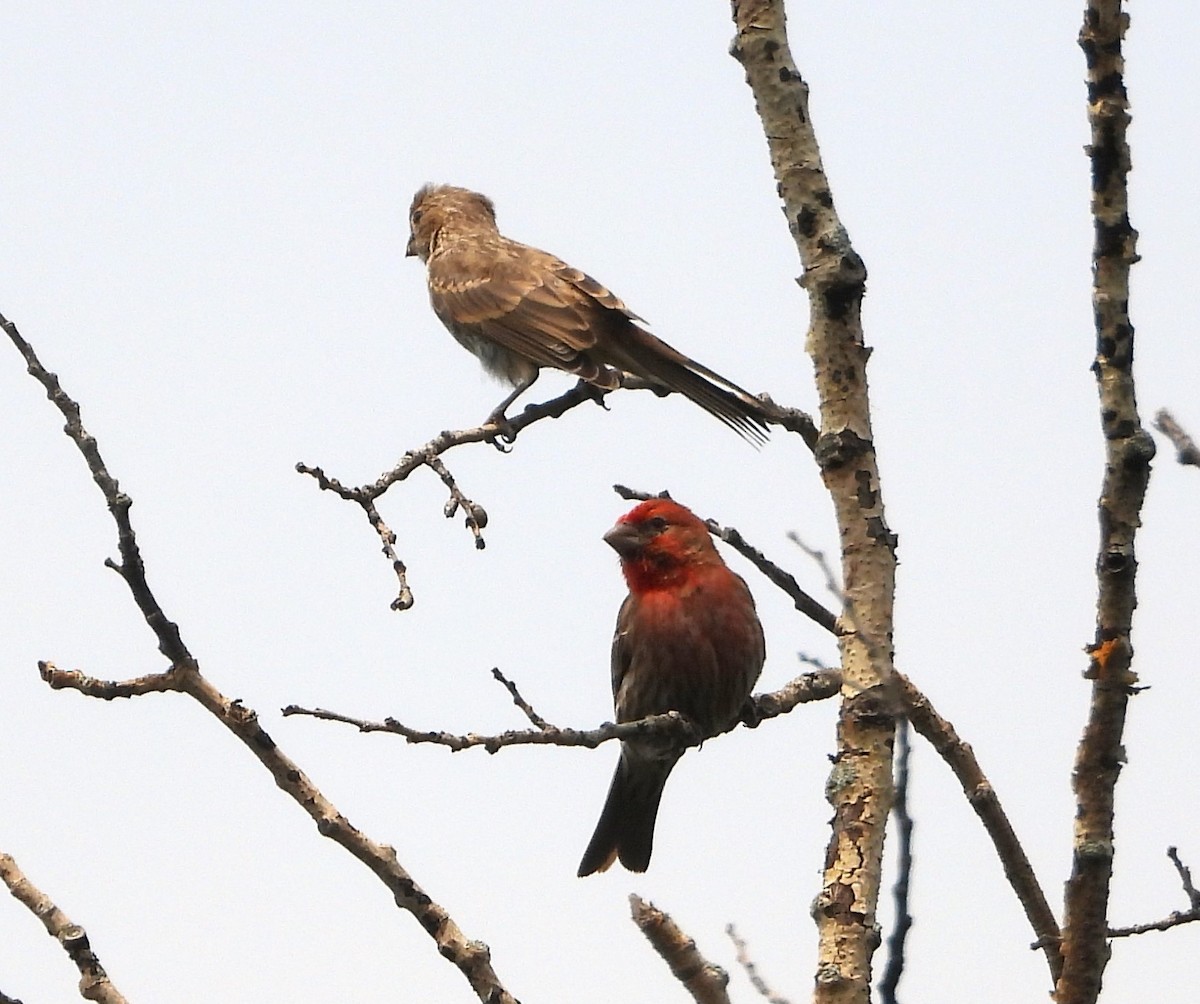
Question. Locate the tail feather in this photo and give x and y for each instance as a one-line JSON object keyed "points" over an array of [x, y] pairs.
{"points": [[717, 395], [626, 827]]}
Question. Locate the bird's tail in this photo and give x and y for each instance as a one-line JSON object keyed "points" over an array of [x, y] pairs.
{"points": [[626, 826], [720, 397]]}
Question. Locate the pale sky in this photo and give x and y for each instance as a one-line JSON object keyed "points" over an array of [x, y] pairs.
{"points": [[204, 210]]}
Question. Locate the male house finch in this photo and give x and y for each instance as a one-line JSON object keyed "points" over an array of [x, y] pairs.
{"points": [[518, 309], [688, 640]]}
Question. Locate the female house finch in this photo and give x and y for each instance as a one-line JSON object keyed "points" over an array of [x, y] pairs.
{"points": [[518, 309], [688, 640]]}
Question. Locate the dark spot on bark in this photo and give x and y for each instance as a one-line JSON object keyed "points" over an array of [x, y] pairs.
{"points": [[1105, 159], [293, 776], [263, 740], [867, 496], [1110, 85], [1140, 449], [1111, 238], [840, 298], [835, 449], [878, 530], [1089, 52], [824, 197], [1114, 562], [770, 48], [1121, 429], [806, 222]]}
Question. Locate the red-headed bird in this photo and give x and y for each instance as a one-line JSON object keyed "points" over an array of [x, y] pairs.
{"points": [[518, 309], [688, 639]]}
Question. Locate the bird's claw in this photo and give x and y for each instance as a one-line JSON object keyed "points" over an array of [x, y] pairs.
{"points": [[504, 435], [750, 715]]}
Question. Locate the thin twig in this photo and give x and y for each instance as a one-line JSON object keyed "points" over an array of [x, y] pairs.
{"points": [[1186, 450], [526, 708], [706, 982], [1175, 919], [747, 964], [1185, 877]]}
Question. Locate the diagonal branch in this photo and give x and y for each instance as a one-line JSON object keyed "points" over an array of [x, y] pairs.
{"points": [[835, 279], [472, 958], [986, 803], [94, 984], [704, 981], [1128, 451], [752, 974]]}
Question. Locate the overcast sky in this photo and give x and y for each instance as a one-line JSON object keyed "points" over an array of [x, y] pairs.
{"points": [[204, 217]]}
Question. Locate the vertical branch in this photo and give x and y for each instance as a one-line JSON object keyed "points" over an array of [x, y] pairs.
{"points": [[894, 969], [860, 787], [1128, 451]]}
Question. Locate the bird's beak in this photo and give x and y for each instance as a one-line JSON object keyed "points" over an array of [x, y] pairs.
{"points": [[411, 250], [625, 539]]}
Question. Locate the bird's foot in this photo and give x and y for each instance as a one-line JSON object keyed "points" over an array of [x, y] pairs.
{"points": [[750, 715], [594, 392], [502, 435]]}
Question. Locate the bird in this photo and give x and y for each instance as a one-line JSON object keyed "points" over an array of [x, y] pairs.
{"points": [[688, 639], [519, 310]]}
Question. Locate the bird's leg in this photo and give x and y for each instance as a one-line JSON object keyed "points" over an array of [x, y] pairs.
{"points": [[498, 417]]}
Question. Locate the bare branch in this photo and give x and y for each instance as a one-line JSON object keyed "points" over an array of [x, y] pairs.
{"points": [[1178, 917], [130, 567], [472, 958], [1186, 450], [501, 436], [1185, 877], [984, 800], [1128, 451], [94, 984], [673, 725], [537, 720], [747, 963], [904, 862], [704, 981], [835, 279]]}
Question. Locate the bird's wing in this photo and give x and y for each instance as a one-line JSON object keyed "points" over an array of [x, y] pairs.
{"points": [[525, 300], [622, 649]]}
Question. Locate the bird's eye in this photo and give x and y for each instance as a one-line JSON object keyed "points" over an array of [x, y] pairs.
{"points": [[416, 217], [657, 524]]}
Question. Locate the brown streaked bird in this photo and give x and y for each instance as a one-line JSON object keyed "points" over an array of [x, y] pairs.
{"points": [[518, 309]]}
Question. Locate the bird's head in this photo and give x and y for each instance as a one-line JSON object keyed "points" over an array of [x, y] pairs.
{"points": [[436, 207], [658, 540]]}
